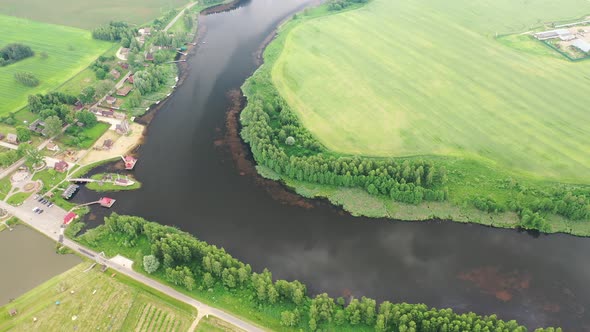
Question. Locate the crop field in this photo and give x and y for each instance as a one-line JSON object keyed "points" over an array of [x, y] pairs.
{"points": [[69, 51], [427, 77], [94, 301], [88, 14]]}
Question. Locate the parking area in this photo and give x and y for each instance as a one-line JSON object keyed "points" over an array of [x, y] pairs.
{"points": [[50, 220]]}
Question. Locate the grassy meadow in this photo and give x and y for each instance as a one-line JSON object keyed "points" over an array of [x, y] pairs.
{"points": [[93, 300], [69, 51], [426, 77], [88, 14]]}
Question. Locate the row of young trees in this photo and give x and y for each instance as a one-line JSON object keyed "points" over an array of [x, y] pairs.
{"points": [[187, 262], [14, 52], [26, 78], [573, 204], [341, 4], [161, 22], [280, 142]]}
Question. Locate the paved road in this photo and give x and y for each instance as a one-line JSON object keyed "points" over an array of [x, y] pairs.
{"points": [[8, 145], [49, 223], [189, 6]]}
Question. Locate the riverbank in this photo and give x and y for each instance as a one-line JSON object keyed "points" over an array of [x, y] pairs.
{"points": [[475, 191], [211, 275]]}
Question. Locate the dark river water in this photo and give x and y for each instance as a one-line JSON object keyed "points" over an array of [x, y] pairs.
{"points": [[192, 183]]}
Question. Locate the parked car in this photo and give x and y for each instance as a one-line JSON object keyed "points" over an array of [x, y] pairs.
{"points": [[40, 211], [35, 209], [50, 204]]}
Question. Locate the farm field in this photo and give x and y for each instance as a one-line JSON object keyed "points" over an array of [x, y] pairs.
{"points": [[429, 78], [87, 14], [69, 51], [119, 304]]}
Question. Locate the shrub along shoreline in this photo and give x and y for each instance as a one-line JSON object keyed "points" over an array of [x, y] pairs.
{"points": [[412, 188], [210, 274]]}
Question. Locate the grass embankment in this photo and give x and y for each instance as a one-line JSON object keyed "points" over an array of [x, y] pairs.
{"points": [[412, 101], [5, 186], [213, 324], [108, 186], [94, 300], [69, 51], [88, 14]]}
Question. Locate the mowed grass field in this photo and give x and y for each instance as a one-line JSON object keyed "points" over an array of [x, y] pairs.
{"points": [[428, 77], [88, 14], [98, 303], [69, 50]]}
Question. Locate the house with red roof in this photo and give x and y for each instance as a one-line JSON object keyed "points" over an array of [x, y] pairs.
{"points": [[129, 162], [106, 202], [69, 217], [61, 166]]}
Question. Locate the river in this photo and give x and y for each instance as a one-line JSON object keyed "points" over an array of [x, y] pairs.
{"points": [[190, 180]]}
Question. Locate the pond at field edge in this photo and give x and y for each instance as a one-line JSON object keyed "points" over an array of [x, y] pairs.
{"points": [[28, 259], [190, 180]]}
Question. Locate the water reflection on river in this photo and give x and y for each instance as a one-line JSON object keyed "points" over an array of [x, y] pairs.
{"points": [[190, 182], [28, 259]]}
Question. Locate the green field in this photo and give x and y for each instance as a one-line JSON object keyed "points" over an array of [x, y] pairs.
{"points": [[426, 77], [89, 14], [88, 136], [69, 51], [18, 198], [93, 300]]}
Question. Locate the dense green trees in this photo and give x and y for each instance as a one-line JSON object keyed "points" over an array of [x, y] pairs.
{"points": [[26, 78], [341, 4], [188, 20], [53, 104], [191, 263], [87, 95], [160, 23], [114, 31], [23, 134], [150, 79], [31, 154], [87, 118], [150, 264], [14, 52], [53, 126], [279, 142]]}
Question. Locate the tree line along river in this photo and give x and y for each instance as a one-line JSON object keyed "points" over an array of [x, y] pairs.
{"points": [[191, 180]]}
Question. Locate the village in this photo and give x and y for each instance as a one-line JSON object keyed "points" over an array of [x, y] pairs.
{"points": [[571, 40], [105, 131]]}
